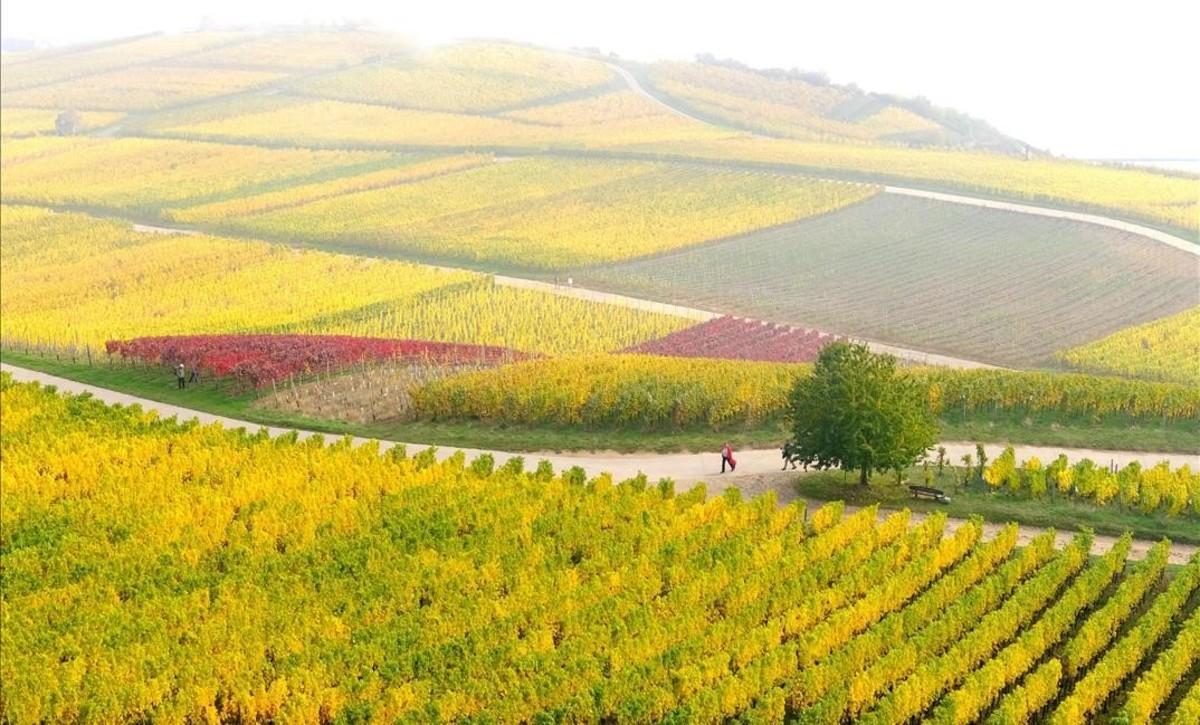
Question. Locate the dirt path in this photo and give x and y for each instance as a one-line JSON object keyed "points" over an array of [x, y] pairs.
{"points": [[632, 82], [1154, 234], [758, 470], [919, 357]]}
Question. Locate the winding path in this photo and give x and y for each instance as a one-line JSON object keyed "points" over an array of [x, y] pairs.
{"points": [[1148, 232], [758, 470]]}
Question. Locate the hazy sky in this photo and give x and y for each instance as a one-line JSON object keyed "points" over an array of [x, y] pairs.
{"points": [[1087, 79]]}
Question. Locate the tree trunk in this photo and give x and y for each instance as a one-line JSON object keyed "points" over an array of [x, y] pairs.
{"points": [[862, 476]]}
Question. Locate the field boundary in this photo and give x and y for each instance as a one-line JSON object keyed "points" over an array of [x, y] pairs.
{"points": [[1154, 234]]}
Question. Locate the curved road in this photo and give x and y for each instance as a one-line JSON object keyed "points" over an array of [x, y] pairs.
{"points": [[1148, 232], [758, 470]]}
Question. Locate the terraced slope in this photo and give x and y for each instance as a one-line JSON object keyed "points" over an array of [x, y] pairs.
{"points": [[980, 283]]}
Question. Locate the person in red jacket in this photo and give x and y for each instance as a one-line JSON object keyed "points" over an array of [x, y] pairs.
{"points": [[727, 457]]}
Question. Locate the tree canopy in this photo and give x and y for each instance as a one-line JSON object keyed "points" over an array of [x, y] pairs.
{"points": [[858, 413]]}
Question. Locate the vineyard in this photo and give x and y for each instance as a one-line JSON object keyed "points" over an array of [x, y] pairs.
{"points": [[42, 68], [141, 89], [1134, 487], [259, 360], [266, 210], [980, 284], [300, 581], [321, 88], [477, 77], [731, 338], [614, 390], [148, 174], [1165, 349], [73, 280], [417, 169], [655, 390], [20, 122], [1140, 194], [551, 214], [789, 107]]}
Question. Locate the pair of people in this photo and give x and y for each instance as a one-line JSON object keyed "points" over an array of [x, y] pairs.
{"points": [[790, 455], [181, 376]]}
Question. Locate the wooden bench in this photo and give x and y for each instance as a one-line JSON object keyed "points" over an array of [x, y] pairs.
{"points": [[934, 493]]}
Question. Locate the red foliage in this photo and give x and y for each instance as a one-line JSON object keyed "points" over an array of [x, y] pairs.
{"points": [[735, 338], [261, 359]]}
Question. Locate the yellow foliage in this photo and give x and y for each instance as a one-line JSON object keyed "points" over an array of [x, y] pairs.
{"points": [[614, 390], [466, 77], [75, 280], [54, 65], [527, 320], [146, 174], [40, 121], [1165, 349], [140, 88], [1141, 193], [555, 213], [300, 50], [218, 212]]}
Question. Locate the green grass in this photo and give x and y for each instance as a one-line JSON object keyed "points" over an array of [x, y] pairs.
{"points": [[997, 507], [1049, 430], [222, 398]]}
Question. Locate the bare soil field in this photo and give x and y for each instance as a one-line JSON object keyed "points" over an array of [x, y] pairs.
{"points": [[986, 284]]}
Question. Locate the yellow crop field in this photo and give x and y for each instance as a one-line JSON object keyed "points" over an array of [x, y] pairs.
{"points": [[651, 390], [140, 88], [300, 50], [548, 588], [526, 320], [508, 59], [1166, 349], [49, 66], [24, 150], [1134, 193], [16, 122], [474, 76], [444, 89], [788, 107], [621, 118], [323, 122], [1140, 194], [470, 77], [147, 174], [614, 107], [163, 284], [422, 168], [555, 214], [614, 390], [72, 280]]}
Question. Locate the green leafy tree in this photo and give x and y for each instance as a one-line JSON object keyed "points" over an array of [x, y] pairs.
{"points": [[68, 123], [856, 413]]}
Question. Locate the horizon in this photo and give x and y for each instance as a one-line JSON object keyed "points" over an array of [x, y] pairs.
{"points": [[1123, 105]]}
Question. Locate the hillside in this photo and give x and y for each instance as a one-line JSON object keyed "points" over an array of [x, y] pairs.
{"points": [[219, 247], [806, 106], [505, 158]]}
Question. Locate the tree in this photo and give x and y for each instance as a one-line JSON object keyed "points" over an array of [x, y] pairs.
{"points": [[68, 123], [855, 412]]}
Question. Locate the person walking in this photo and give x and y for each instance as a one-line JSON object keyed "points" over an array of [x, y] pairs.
{"points": [[195, 376], [789, 455], [181, 376], [727, 457]]}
